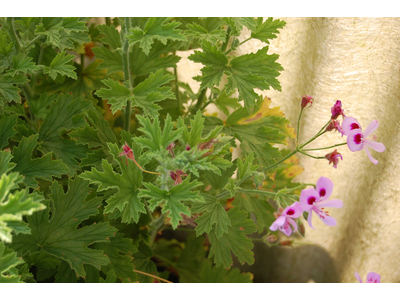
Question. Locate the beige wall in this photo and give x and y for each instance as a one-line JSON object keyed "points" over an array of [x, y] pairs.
{"points": [[356, 60]]}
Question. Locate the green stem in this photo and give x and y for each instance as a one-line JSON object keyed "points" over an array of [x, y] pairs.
{"points": [[157, 225], [149, 211], [225, 44], [35, 75], [298, 126], [316, 157], [315, 136], [316, 149], [108, 21], [178, 99], [11, 30], [127, 75], [257, 192], [205, 105], [32, 42], [162, 258], [200, 100], [239, 45]]}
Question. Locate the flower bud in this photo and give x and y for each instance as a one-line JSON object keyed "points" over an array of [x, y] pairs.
{"points": [[270, 239], [187, 148], [333, 157], [337, 110], [286, 243], [305, 100]]}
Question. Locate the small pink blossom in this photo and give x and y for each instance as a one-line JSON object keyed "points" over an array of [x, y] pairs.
{"points": [[285, 219], [305, 100], [372, 277], [335, 124], [128, 153], [337, 110], [333, 157], [177, 176], [170, 149], [317, 199], [357, 139]]}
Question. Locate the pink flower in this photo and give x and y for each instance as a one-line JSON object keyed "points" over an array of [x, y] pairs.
{"points": [[337, 110], [305, 100], [284, 220], [372, 277], [357, 140], [316, 200], [334, 124], [128, 153], [333, 157], [349, 124]]}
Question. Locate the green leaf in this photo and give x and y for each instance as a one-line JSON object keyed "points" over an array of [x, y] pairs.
{"points": [[7, 129], [8, 91], [15, 205], [111, 277], [59, 235], [155, 29], [266, 31], [234, 240], [6, 47], [60, 66], [50, 27], [193, 137], [142, 261], [44, 167], [119, 250], [197, 31], [5, 162], [111, 36], [117, 94], [40, 106], [218, 182], [126, 200], [224, 101], [210, 274], [148, 92], [214, 217], [215, 64], [8, 260], [73, 24], [237, 24], [154, 140], [111, 60], [22, 64], [171, 200]]}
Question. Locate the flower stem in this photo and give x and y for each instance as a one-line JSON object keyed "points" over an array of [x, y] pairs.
{"points": [[127, 75], [316, 149], [312, 139], [298, 126], [256, 192], [225, 44], [316, 157], [178, 99], [200, 101]]}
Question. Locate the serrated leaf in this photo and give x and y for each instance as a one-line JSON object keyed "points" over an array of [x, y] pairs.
{"points": [[22, 64], [43, 167], [15, 205], [6, 47], [50, 27], [59, 235], [142, 261], [234, 240], [218, 182], [111, 60], [172, 199], [111, 36], [197, 31], [214, 217], [117, 94], [8, 260], [73, 24], [60, 66], [40, 106], [155, 28], [5, 162], [210, 274], [7, 129], [224, 101], [265, 31], [8, 91], [126, 200]]}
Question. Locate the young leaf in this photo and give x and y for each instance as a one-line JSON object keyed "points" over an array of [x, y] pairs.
{"points": [[44, 167], [15, 205], [73, 24], [266, 31], [213, 216], [60, 66], [59, 235], [234, 240], [8, 260], [6, 48], [126, 200], [155, 28], [171, 200]]}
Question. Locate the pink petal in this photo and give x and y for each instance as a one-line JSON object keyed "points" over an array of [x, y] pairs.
{"points": [[309, 219], [294, 210], [379, 147], [349, 124], [374, 161], [293, 224], [329, 203], [371, 128], [328, 220], [358, 277], [286, 229], [353, 140], [324, 188], [373, 277], [307, 199], [273, 227]]}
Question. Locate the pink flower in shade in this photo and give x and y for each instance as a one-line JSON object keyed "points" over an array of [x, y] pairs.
{"points": [[334, 124], [337, 110], [333, 157], [128, 153], [317, 199], [372, 277], [285, 219], [305, 100], [357, 139]]}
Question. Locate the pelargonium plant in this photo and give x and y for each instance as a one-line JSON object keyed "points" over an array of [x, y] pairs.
{"points": [[110, 170]]}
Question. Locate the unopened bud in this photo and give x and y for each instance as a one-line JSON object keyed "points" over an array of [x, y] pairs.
{"points": [[305, 100], [302, 230], [187, 148], [271, 239], [286, 243]]}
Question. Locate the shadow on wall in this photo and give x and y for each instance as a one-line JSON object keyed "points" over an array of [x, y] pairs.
{"points": [[308, 263]]}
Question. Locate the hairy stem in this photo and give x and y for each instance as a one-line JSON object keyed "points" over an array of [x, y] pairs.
{"points": [[13, 34], [200, 101], [178, 99], [127, 74]]}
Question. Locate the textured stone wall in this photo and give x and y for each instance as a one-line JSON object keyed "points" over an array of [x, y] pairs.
{"points": [[356, 60]]}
